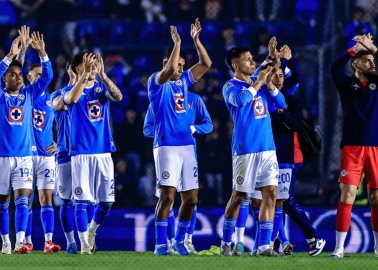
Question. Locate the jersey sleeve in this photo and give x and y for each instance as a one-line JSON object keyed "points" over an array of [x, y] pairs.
{"points": [[153, 86], [187, 77], [203, 123], [43, 82], [339, 71], [236, 96], [275, 98], [148, 126], [4, 64]]}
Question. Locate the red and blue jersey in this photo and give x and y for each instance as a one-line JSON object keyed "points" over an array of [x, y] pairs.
{"points": [[249, 112], [16, 113], [63, 120], [169, 105], [90, 126]]}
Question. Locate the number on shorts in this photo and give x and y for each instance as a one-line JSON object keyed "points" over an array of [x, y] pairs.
{"points": [[112, 184], [195, 169], [284, 178], [48, 171], [25, 171]]}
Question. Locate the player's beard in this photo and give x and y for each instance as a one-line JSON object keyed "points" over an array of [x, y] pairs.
{"points": [[370, 74]]}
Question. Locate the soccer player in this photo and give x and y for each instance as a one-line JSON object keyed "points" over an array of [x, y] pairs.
{"points": [[254, 158], [63, 167], [91, 143], [359, 97], [44, 160], [17, 145], [175, 157], [200, 124]]}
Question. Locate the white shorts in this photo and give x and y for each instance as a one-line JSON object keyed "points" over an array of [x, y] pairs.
{"points": [[93, 177], [44, 172], [64, 180], [254, 171], [15, 172], [176, 166], [282, 188]]}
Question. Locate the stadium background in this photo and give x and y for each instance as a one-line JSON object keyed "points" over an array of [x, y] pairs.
{"points": [[133, 41]]}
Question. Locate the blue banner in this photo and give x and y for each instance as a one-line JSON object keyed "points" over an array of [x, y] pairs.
{"points": [[133, 230]]}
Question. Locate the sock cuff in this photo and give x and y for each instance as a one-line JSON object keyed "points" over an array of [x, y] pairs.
{"points": [[229, 222], [22, 199], [4, 205], [81, 206], [245, 203], [171, 213], [268, 225], [105, 205], [184, 224], [374, 207], [345, 205], [279, 210], [47, 208], [66, 202], [161, 222], [195, 208]]}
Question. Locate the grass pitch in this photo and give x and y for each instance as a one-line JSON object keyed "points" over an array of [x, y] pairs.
{"points": [[147, 260]]}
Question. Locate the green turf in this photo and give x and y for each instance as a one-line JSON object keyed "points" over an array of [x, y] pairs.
{"points": [[146, 260]]}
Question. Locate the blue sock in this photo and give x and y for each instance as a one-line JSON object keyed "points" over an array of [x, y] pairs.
{"points": [[255, 216], [228, 229], [193, 221], [21, 218], [243, 214], [171, 225], [282, 234], [277, 222], [90, 210], [101, 212], [47, 218], [30, 223], [161, 231], [4, 218], [182, 228], [265, 232], [66, 214], [81, 216]]}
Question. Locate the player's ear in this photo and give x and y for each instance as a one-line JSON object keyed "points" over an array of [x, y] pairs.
{"points": [[234, 66]]}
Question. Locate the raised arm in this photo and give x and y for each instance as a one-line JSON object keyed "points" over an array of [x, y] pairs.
{"points": [[148, 126], [73, 96], [26, 40], [204, 63], [113, 91], [172, 63], [203, 124], [14, 50], [43, 82], [57, 101]]}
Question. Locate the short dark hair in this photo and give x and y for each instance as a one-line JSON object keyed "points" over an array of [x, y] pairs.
{"points": [[77, 60], [168, 52], [233, 53], [32, 66], [361, 54], [14, 63]]}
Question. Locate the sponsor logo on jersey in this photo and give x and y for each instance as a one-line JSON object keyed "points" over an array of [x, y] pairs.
{"points": [[259, 108], [94, 110], [39, 119], [15, 116], [179, 82], [98, 89], [21, 96], [179, 103]]}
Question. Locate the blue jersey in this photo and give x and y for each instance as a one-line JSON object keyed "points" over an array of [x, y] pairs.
{"points": [[90, 126], [169, 105], [43, 118], [63, 120], [249, 111], [16, 117], [198, 117]]}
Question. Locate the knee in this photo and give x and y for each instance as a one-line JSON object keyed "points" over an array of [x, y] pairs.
{"points": [[105, 206], [191, 201], [348, 194], [166, 199], [238, 198]]}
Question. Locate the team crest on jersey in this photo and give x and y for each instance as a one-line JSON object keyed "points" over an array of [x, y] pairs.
{"points": [[98, 89], [372, 86], [94, 110], [39, 119], [21, 96], [179, 103], [259, 108], [15, 116]]}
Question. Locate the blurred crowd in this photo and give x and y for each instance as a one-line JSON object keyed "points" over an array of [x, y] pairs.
{"points": [[133, 34]]}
